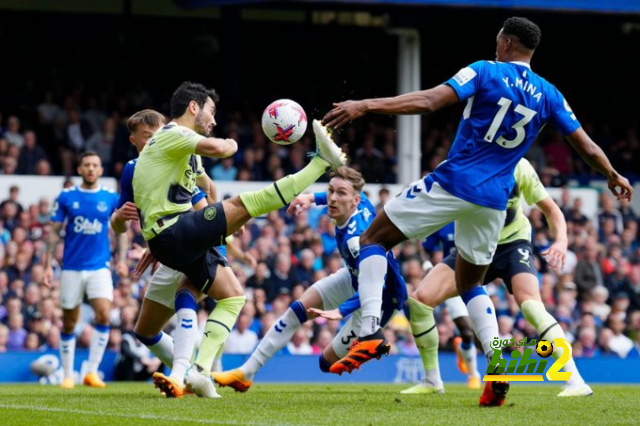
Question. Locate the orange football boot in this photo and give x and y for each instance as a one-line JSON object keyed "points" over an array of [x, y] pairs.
{"points": [[462, 365], [361, 352], [233, 378], [92, 380], [168, 386]]}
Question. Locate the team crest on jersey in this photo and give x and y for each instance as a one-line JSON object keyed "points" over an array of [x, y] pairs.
{"points": [[210, 213], [102, 207], [75, 205]]}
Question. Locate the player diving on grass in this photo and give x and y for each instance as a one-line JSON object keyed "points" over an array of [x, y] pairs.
{"points": [[85, 209], [184, 239], [334, 297], [158, 303], [514, 264], [507, 106]]}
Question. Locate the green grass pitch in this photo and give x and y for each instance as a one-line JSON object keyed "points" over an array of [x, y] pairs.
{"points": [[314, 404]]}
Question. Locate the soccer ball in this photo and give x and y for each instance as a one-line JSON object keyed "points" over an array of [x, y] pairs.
{"points": [[544, 348], [284, 122]]}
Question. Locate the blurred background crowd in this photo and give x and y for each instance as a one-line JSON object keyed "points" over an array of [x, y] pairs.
{"points": [[76, 93], [596, 299]]}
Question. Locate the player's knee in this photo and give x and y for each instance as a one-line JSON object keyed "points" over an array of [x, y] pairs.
{"points": [[324, 364]]}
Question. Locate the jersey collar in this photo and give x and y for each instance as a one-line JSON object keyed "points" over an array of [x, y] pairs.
{"points": [[524, 64], [81, 189], [346, 222]]}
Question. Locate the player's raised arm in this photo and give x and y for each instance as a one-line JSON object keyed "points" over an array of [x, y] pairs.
{"points": [[216, 148], [419, 102], [593, 155]]}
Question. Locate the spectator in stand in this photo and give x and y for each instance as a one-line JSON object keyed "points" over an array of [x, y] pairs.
{"points": [[17, 332], [282, 279], [632, 288], [102, 142], [619, 343], [609, 212], [369, 161], [224, 170], [304, 270], [588, 273], [575, 214], [13, 135], [30, 154], [241, 340], [4, 338]]}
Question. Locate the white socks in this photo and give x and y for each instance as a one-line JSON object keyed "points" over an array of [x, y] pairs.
{"points": [[276, 338], [67, 352], [483, 317], [99, 340], [372, 271]]}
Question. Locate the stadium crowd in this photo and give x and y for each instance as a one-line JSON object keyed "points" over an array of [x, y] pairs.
{"points": [[596, 299]]}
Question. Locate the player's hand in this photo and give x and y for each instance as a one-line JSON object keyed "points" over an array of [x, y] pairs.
{"points": [[300, 203], [127, 212], [147, 259], [332, 315], [556, 255], [250, 261], [122, 269], [48, 276], [620, 187], [136, 252], [344, 112]]}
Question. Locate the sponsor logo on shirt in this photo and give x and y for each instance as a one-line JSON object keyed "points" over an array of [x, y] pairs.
{"points": [[85, 226]]}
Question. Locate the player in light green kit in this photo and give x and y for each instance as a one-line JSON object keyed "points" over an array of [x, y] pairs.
{"points": [[183, 239], [513, 262]]}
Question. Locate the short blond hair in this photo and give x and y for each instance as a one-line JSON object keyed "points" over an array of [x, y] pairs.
{"points": [[147, 117], [350, 175]]}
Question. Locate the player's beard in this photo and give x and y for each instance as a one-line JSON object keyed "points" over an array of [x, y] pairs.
{"points": [[201, 126]]}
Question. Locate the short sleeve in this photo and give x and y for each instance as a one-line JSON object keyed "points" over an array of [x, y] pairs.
{"points": [[467, 81], [562, 117], [529, 183], [180, 142], [59, 210], [320, 198], [126, 186]]}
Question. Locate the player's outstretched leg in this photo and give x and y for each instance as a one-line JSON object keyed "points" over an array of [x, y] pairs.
{"points": [[548, 329], [277, 195], [425, 333], [276, 338]]}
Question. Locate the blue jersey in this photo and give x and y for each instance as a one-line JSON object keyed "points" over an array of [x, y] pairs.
{"points": [[126, 186], [86, 240], [443, 240], [348, 238], [507, 106]]}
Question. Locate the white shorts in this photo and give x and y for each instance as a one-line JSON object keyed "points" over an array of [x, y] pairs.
{"points": [[456, 308], [163, 286], [418, 214], [75, 284], [334, 290]]}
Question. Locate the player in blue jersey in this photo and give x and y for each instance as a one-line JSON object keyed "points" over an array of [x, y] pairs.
{"points": [[158, 304], [337, 293], [85, 264], [507, 106], [443, 242]]}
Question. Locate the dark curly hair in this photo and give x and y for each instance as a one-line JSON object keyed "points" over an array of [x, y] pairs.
{"points": [[187, 92], [527, 32]]}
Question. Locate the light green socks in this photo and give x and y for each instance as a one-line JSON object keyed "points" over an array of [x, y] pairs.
{"points": [[548, 329], [425, 332], [280, 193], [217, 330]]}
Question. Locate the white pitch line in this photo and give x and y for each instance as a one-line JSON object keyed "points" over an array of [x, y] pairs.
{"points": [[129, 416]]}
